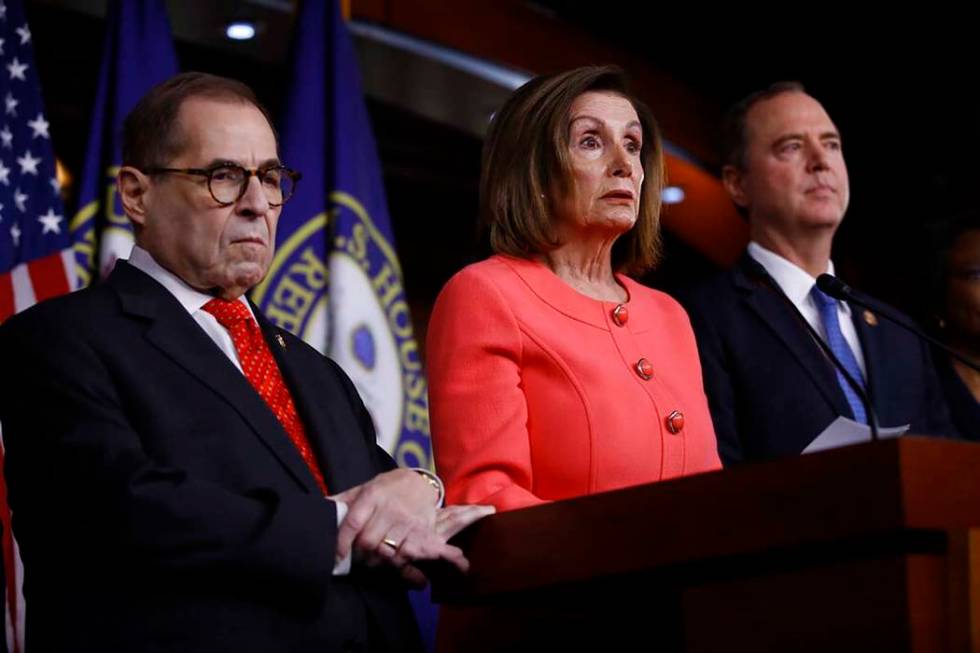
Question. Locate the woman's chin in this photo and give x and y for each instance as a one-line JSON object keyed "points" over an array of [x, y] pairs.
{"points": [[619, 223]]}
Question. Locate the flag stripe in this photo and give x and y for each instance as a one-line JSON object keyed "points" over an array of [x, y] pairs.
{"points": [[68, 265], [23, 288], [6, 296], [48, 276]]}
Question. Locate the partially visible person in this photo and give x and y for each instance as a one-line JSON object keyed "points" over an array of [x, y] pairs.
{"points": [[959, 322], [552, 372], [771, 386]]}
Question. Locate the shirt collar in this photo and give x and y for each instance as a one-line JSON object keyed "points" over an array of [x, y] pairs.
{"points": [[794, 281]]}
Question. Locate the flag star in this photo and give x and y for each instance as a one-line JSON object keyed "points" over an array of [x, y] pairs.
{"points": [[40, 126], [20, 199], [3, 11], [16, 69], [24, 33], [1, 212], [2, 41], [55, 184], [11, 103], [28, 164], [6, 137], [15, 234], [51, 222], [4, 174]]}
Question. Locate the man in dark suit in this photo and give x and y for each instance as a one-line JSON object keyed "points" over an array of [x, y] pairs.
{"points": [[771, 388], [185, 476]]}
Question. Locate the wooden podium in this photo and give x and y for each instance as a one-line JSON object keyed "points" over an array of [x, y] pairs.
{"points": [[874, 547]]}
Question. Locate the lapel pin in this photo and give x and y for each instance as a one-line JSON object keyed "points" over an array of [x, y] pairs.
{"points": [[870, 318], [280, 340]]}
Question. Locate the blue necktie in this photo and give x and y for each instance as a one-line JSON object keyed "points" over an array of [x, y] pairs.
{"points": [[835, 340]]}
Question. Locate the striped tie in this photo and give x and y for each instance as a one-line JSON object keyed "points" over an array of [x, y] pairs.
{"points": [[835, 340]]}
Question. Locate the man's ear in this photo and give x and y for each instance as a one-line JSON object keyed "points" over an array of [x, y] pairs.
{"points": [[734, 181], [133, 186]]}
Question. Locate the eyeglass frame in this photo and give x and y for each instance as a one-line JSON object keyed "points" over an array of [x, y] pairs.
{"points": [[294, 175]]}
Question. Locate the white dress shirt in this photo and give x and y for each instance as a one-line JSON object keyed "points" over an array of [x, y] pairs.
{"points": [[193, 301], [796, 283]]}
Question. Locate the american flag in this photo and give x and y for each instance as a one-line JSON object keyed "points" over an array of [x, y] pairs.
{"points": [[35, 252], [36, 260]]}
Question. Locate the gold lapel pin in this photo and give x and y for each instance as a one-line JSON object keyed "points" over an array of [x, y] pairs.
{"points": [[870, 318], [280, 340]]}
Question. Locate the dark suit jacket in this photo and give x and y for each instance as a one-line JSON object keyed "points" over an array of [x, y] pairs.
{"points": [[964, 409], [770, 387], [158, 503]]}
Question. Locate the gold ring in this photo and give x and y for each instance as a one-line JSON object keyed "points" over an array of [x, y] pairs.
{"points": [[390, 542]]}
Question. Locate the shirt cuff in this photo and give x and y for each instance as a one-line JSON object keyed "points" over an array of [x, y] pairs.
{"points": [[341, 567]]}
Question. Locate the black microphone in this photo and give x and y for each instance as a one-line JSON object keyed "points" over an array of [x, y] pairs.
{"points": [[837, 289]]}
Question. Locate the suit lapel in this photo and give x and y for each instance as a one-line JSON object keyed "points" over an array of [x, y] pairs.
{"points": [[336, 439], [871, 347], [762, 296], [175, 333]]}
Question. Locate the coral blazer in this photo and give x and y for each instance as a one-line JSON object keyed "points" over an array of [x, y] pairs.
{"points": [[536, 391]]}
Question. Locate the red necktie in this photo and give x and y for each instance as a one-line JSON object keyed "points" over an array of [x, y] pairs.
{"points": [[262, 372]]}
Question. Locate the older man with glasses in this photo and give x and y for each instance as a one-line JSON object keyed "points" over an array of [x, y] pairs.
{"points": [[185, 476]]}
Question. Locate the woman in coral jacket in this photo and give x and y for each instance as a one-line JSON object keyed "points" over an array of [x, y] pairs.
{"points": [[552, 373]]}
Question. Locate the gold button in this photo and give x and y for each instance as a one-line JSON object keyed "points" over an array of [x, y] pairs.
{"points": [[621, 315], [675, 422], [644, 369]]}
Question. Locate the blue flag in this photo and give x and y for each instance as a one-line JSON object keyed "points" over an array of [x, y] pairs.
{"points": [[336, 280], [138, 53]]}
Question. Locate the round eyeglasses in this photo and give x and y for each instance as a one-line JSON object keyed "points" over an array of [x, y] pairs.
{"points": [[228, 182]]}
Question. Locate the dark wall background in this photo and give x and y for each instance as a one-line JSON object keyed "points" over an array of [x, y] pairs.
{"points": [[898, 86]]}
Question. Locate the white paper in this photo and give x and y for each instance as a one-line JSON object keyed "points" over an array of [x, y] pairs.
{"points": [[844, 431]]}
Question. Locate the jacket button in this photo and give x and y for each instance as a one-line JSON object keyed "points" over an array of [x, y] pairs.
{"points": [[675, 422], [644, 369], [621, 315]]}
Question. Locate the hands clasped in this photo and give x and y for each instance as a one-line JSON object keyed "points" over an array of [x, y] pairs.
{"points": [[393, 519]]}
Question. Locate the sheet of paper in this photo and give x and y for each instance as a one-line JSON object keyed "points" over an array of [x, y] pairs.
{"points": [[844, 431]]}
